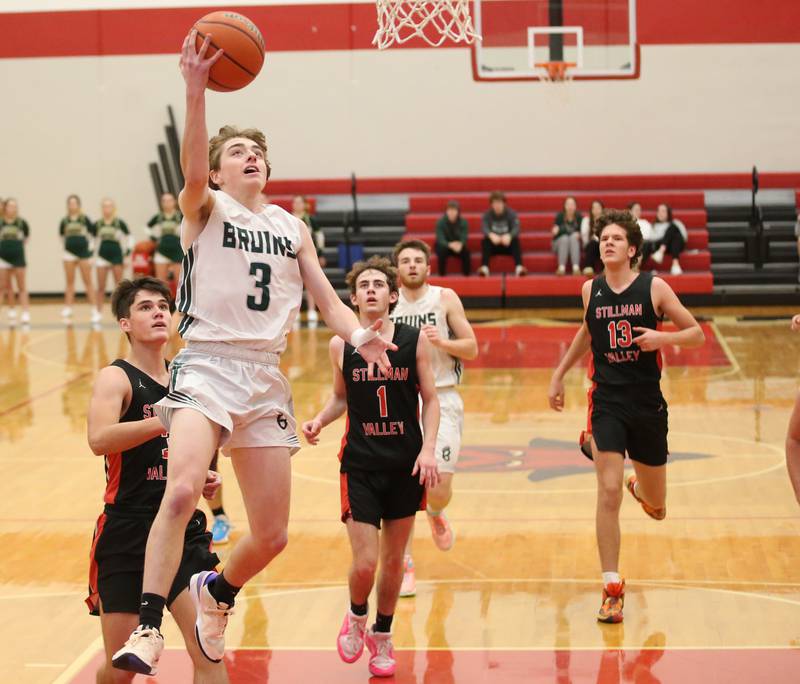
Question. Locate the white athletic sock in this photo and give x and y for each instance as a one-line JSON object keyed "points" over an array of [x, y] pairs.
{"points": [[611, 578]]}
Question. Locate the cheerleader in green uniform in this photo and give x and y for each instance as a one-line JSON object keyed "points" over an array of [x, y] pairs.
{"points": [[76, 230], [14, 234], [114, 244], [300, 209], [165, 229]]}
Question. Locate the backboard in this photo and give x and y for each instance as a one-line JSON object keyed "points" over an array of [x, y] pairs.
{"points": [[598, 36]]}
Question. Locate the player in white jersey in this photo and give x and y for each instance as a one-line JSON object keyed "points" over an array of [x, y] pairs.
{"points": [[242, 281], [439, 313]]}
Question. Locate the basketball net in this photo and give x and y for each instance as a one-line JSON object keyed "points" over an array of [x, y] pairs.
{"points": [[555, 72], [435, 21]]}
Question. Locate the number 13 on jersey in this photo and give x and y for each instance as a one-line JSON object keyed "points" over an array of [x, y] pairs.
{"points": [[620, 334]]}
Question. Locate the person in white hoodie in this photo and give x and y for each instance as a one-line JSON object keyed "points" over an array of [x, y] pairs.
{"points": [[668, 235]]}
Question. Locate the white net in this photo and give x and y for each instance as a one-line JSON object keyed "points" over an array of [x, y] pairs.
{"points": [[435, 21]]}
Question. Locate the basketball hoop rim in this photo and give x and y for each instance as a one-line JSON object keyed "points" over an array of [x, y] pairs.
{"points": [[555, 70]]}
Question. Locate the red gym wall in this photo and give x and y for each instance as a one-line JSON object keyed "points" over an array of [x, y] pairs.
{"points": [[85, 92]]}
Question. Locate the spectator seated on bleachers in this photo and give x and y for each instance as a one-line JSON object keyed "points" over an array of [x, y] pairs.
{"points": [[669, 236], [500, 234], [591, 244], [567, 237], [451, 238]]}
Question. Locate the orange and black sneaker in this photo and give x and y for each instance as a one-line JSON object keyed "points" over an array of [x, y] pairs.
{"points": [[613, 601], [654, 513]]}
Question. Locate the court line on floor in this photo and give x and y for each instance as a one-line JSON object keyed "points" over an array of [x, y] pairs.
{"points": [[80, 662], [41, 395], [557, 580], [779, 464], [309, 586], [498, 649]]}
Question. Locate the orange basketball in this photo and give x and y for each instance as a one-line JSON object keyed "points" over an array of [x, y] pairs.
{"points": [[243, 47]]}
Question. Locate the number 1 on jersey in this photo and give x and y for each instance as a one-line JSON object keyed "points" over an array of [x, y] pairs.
{"points": [[384, 408]]}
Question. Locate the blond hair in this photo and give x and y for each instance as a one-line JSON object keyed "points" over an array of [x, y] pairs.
{"points": [[226, 133]]}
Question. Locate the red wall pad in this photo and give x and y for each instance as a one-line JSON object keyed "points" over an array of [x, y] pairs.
{"points": [[472, 286]]}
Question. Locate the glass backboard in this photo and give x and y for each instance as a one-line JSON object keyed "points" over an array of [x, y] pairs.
{"points": [[518, 37]]}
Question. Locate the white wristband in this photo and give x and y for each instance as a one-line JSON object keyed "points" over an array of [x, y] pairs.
{"points": [[362, 336]]}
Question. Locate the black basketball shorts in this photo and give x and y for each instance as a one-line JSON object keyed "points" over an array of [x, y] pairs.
{"points": [[117, 561], [630, 420], [371, 496]]}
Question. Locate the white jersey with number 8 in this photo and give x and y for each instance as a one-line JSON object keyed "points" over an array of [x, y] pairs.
{"points": [[240, 280]]}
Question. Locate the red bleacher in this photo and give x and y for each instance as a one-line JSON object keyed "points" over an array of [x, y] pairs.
{"points": [[536, 211], [552, 202], [528, 220]]}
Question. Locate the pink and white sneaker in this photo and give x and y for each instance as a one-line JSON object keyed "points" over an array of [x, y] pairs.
{"points": [[443, 535], [381, 660], [350, 642]]}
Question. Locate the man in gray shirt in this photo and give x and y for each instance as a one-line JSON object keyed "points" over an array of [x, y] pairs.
{"points": [[500, 234]]}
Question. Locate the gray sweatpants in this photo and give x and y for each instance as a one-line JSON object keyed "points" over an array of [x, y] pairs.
{"points": [[568, 246]]}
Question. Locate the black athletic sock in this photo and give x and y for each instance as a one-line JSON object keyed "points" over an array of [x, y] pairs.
{"points": [[222, 591], [358, 608], [218, 511], [151, 610], [383, 623]]}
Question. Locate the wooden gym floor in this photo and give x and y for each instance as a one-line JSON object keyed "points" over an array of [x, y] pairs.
{"points": [[713, 591]]}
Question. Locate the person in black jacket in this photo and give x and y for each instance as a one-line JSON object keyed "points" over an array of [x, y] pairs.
{"points": [[500, 234], [451, 238]]}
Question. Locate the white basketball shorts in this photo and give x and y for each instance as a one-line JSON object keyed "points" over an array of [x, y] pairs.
{"points": [[451, 427], [241, 390]]}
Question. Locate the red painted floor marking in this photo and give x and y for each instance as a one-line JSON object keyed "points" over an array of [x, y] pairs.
{"points": [[777, 666], [534, 346]]}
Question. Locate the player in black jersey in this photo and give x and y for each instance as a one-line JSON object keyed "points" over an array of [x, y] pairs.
{"points": [[627, 413], [123, 428], [385, 461]]}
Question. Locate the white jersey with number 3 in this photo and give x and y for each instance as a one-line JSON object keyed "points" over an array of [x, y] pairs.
{"points": [[240, 280], [428, 310]]}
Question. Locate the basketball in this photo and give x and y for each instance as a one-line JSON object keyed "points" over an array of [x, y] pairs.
{"points": [[243, 47]]}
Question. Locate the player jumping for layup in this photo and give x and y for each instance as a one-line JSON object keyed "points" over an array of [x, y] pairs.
{"points": [[384, 461], [241, 288], [627, 413], [439, 314]]}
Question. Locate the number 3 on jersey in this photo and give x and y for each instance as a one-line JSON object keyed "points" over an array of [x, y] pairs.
{"points": [[620, 334], [263, 273]]}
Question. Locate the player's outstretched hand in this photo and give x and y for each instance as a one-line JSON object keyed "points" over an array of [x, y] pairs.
{"points": [[213, 483], [555, 394], [374, 351], [796, 323], [427, 468], [649, 340], [194, 65], [311, 430]]}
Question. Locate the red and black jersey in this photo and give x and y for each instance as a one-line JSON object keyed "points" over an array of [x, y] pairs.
{"points": [[611, 318], [136, 478], [383, 430]]}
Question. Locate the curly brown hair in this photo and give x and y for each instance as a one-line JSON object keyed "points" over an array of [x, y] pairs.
{"points": [[374, 263], [226, 133], [625, 220]]}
